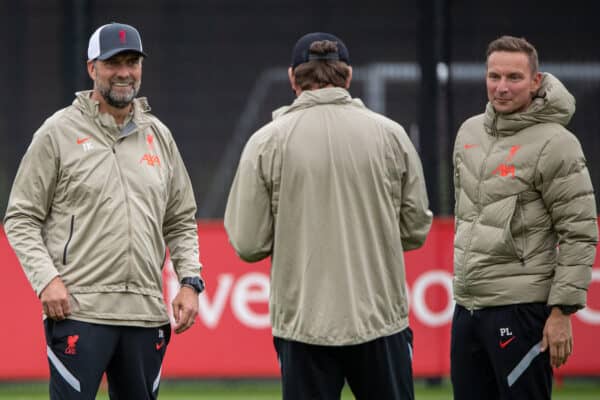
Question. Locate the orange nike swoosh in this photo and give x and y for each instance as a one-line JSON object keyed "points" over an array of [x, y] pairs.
{"points": [[506, 342], [470, 146], [82, 140], [160, 345]]}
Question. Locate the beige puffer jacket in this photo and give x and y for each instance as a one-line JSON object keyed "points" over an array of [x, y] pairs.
{"points": [[526, 227]]}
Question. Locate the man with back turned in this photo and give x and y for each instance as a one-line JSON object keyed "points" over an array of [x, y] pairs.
{"points": [[335, 194]]}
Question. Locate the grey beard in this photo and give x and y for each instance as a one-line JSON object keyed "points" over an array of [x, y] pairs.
{"points": [[118, 102]]}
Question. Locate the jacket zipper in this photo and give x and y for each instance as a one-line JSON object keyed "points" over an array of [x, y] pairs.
{"points": [[68, 240], [127, 206]]}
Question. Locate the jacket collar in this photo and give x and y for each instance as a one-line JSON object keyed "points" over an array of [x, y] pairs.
{"points": [[84, 102], [553, 103], [311, 98]]}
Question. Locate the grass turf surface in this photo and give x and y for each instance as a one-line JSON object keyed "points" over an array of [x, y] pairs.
{"points": [[588, 389]]}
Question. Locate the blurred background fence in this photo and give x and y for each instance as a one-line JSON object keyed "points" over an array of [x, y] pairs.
{"points": [[217, 68]]}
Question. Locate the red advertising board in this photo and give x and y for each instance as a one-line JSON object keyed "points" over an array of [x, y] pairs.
{"points": [[232, 336]]}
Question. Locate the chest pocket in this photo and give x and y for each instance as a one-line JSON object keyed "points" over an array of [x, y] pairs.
{"points": [[86, 179]]}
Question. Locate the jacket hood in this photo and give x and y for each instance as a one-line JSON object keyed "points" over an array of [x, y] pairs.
{"points": [[552, 104], [310, 98]]}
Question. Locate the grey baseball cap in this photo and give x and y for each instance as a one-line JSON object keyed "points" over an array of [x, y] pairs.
{"points": [[112, 39]]}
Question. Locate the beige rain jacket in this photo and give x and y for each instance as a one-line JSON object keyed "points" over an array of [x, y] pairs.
{"points": [[96, 208], [334, 193]]}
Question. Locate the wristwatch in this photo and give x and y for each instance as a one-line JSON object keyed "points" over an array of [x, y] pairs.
{"points": [[567, 310], [195, 283]]}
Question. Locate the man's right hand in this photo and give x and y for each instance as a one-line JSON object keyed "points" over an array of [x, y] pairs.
{"points": [[55, 300], [558, 337]]}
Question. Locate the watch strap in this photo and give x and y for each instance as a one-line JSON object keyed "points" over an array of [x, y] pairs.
{"points": [[567, 309], [195, 283]]}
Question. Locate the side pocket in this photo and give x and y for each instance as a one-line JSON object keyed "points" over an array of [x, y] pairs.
{"points": [[408, 335], [457, 192], [457, 188], [523, 228], [66, 250], [516, 215], [48, 330]]}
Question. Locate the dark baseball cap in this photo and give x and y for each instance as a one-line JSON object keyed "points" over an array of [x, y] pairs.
{"points": [[301, 52], [112, 39]]}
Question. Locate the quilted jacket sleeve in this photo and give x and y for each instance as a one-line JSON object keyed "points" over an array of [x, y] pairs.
{"points": [[566, 187]]}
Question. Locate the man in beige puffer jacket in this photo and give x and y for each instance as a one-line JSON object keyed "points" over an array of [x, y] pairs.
{"points": [[525, 234]]}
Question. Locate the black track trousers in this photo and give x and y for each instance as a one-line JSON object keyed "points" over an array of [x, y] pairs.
{"points": [[495, 353], [380, 369], [79, 353]]}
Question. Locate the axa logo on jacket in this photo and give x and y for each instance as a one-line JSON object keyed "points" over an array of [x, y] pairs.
{"points": [[150, 158]]}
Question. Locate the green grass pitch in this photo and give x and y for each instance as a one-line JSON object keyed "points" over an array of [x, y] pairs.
{"points": [[588, 389]]}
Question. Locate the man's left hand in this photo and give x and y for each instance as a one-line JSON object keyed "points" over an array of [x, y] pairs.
{"points": [[185, 308], [558, 337]]}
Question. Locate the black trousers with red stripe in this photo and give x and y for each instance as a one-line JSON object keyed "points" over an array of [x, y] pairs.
{"points": [[495, 353], [79, 353], [380, 369]]}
